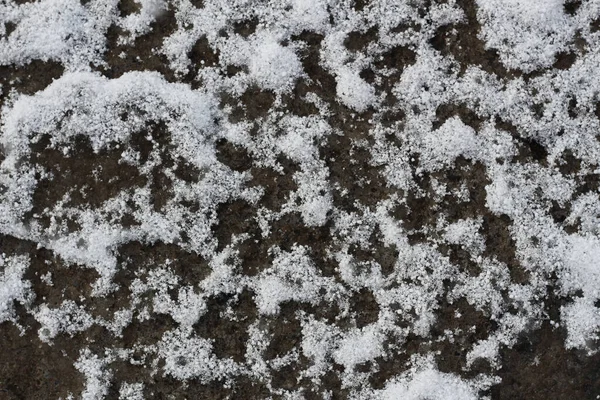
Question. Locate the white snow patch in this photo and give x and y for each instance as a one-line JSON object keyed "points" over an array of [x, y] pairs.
{"points": [[273, 66], [353, 91], [429, 384]]}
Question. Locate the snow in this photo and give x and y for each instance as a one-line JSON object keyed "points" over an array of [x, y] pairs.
{"points": [[527, 35], [60, 30], [139, 23], [353, 91], [442, 146], [273, 66], [291, 277], [12, 286], [359, 346], [429, 384], [187, 356], [445, 149], [131, 391], [97, 377], [581, 266], [582, 320], [466, 233], [68, 318]]}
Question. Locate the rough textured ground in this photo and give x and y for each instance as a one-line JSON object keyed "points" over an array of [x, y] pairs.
{"points": [[317, 199]]}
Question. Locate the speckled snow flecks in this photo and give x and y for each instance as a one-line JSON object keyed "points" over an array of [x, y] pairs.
{"points": [[359, 168]]}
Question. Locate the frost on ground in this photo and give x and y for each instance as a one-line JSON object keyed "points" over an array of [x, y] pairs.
{"points": [[303, 199]]}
